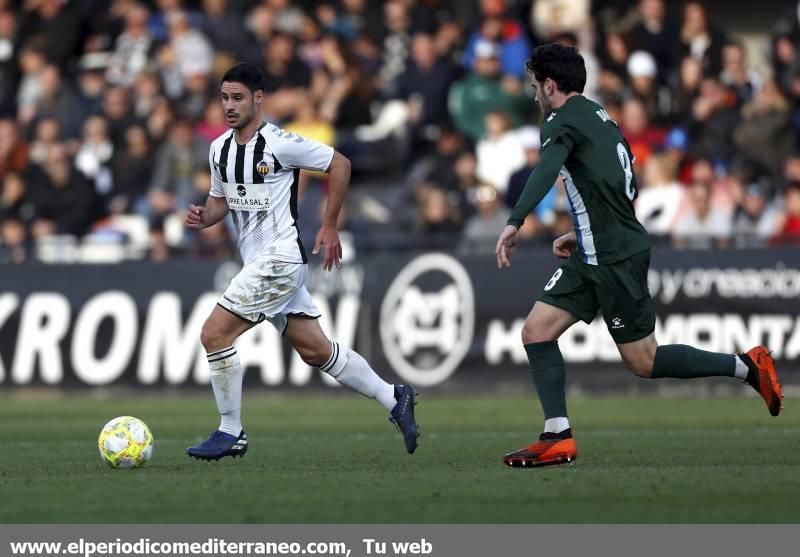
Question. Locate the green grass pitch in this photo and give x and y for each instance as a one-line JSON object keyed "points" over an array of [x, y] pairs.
{"points": [[336, 459]]}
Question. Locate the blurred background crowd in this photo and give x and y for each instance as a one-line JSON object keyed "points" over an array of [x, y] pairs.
{"points": [[108, 107]]}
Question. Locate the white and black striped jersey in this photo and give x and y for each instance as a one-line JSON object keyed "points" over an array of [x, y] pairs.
{"points": [[259, 182]]}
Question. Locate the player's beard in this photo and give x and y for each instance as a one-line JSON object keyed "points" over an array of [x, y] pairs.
{"points": [[544, 105], [244, 120]]}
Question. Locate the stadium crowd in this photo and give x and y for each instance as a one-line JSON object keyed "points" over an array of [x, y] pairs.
{"points": [[107, 109]]}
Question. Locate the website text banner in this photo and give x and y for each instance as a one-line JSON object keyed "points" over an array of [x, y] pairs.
{"points": [[391, 540], [437, 320]]}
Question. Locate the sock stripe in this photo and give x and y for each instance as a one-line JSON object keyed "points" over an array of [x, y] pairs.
{"points": [[218, 352], [222, 357], [332, 360]]}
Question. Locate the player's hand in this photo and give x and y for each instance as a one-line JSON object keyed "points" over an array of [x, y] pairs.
{"points": [[563, 246], [194, 217], [328, 238], [505, 246]]}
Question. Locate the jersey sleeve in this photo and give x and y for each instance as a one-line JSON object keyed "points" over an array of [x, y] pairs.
{"points": [[558, 131], [217, 187], [295, 151]]}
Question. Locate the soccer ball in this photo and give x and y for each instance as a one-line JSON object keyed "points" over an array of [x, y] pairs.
{"points": [[125, 442]]}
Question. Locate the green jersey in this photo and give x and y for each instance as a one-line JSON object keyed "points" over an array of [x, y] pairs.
{"points": [[595, 164]]}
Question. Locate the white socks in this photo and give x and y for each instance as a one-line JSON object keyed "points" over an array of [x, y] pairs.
{"points": [[556, 425], [741, 368], [226, 380], [351, 370]]}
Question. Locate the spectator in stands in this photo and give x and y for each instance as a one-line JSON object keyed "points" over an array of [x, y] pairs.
{"points": [[699, 38], [12, 198], [480, 231], [425, 83], [223, 27], [688, 87], [645, 86], [32, 61], [131, 49], [704, 226], [439, 219], [766, 120], [131, 167], [13, 242], [656, 33], [146, 92], [8, 56], [117, 110], [500, 153], [260, 23], [90, 88], [62, 198], [213, 124], [642, 137], [660, 196], [93, 158], [484, 91], [46, 134], [757, 219], [171, 186], [736, 75], [714, 119], [614, 67], [159, 120], [287, 77], [188, 53], [507, 33], [13, 151], [553, 17], [396, 46], [55, 24], [790, 228]]}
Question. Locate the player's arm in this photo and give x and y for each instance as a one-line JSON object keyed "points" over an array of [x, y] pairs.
{"points": [[328, 236], [539, 183], [216, 207], [203, 216]]}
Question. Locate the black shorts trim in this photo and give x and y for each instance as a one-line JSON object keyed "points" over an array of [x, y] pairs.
{"points": [[299, 315], [261, 318]]}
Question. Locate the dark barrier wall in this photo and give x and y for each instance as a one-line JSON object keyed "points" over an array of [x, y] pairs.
{"points": [[436, 320]]}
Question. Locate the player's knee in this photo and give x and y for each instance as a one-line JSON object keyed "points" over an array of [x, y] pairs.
{"points": [[532, 333], [314, 355], [212, 338], [643, 367]]}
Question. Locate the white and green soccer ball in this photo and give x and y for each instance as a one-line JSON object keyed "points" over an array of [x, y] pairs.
{"points": [[125, 442]]}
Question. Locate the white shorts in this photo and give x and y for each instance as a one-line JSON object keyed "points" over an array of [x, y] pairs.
{"points": [[270, 290]]}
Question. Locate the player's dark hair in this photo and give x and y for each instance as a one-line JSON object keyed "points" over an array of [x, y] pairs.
{"points": [[248, 74], [563, 64]]}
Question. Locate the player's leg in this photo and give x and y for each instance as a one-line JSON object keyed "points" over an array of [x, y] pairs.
{"points": [[630, 317], [350, 369], [646, 359], [219, 332], [565, 300]]}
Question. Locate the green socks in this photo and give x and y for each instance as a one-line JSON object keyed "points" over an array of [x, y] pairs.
{"points": [[547, 370], [684, 362]]}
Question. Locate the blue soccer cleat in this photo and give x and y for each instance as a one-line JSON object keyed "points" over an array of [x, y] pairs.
{"points": [[218, 445], [403, 415]]}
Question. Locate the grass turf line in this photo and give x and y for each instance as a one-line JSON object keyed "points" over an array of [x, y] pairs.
{"points": [[337, 460]]}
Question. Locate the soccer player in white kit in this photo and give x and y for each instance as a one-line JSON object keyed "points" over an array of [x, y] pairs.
{"points": [[255, 168]]}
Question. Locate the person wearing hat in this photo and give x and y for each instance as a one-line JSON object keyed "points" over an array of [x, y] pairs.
{"points": [[482, 92]]}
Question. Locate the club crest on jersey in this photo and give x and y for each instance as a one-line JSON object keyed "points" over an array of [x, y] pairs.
{"points": [[262, 168], [241, 190]]}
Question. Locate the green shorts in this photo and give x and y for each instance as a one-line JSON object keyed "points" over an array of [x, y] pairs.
{"points": [[619, 290]]}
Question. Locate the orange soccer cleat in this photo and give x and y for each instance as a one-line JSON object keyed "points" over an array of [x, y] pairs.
{"points": [[550, 449], [762, 377]]}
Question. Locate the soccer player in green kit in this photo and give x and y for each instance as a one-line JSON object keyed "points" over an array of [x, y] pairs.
{"points": [[607, 258]]}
